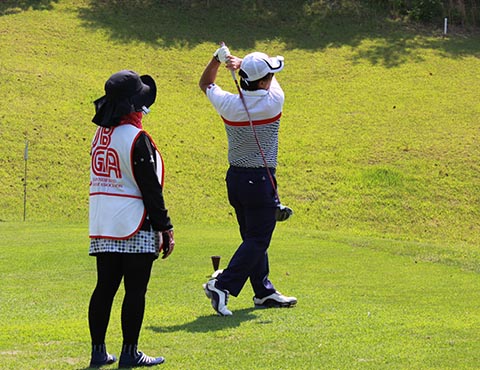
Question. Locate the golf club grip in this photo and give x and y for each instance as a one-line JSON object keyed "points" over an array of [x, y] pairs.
{"points": [[222, 43]]}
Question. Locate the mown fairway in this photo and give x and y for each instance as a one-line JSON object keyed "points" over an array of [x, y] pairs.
{"points": [[379, 157], [358, 308]]}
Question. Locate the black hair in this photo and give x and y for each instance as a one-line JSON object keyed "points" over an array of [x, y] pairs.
{"points": [[252, 85]]}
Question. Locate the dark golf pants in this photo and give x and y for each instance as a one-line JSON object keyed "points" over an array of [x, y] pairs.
{"points": [[252, 195]]}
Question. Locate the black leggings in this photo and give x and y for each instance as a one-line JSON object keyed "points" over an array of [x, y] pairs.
{"points": [[135, 270]]}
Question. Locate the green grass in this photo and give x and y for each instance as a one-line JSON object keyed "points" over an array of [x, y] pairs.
{"points": [[378, 157], [378, 137], [358, 307]]}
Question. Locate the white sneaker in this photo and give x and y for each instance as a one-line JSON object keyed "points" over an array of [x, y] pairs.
{"points": [[217, 273], [219, 297], [276, 299]]}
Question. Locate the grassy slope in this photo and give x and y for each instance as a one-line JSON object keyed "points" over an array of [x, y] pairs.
{"points": [[379, 135], [379, 139], [358, 308]]}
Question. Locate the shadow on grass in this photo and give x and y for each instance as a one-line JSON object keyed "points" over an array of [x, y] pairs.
{"points": [[171, 24], [204, 324], [398, 46], [16, 6], [186, 24]]}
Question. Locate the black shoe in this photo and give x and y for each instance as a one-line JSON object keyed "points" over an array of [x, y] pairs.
{"points": [[138, 360], [101, 358]]}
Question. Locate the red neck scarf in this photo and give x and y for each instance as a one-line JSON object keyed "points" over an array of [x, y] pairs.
{"points": [[134, 118]]}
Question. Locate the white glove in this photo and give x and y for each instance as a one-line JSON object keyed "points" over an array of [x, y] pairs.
{"points": [[221, 54]]}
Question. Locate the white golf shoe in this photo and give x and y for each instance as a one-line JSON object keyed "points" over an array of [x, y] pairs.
{"points": [[276, 299], [219, 297], [217, 273]]}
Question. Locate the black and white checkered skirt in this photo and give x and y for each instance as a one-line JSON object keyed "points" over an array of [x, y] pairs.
{"points": [[141, 242]]}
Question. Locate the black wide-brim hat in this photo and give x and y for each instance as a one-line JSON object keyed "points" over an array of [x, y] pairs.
{"points": [[125, 92]]}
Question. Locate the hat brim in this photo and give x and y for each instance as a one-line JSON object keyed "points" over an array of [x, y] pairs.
{"points": [[146, 97], [109, 112]]}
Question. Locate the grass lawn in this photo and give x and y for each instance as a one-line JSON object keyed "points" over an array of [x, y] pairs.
{"points": [[378, 157], [379, 133], [358, 307]]}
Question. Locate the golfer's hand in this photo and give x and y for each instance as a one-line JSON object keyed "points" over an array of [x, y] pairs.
{"points": [[167, 243], [233, 62], [221, 54]]}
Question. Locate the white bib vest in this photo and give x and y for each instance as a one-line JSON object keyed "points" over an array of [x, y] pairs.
{"points": [[116, 205]]}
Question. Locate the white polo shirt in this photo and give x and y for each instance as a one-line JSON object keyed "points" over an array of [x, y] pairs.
{"points": [[265, 108]]}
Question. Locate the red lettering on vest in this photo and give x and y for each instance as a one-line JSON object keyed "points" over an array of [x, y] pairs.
{"points": [[105, 160], [103, 137]]}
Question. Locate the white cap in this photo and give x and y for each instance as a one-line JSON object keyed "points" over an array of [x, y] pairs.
{"points": [[257, 65]]}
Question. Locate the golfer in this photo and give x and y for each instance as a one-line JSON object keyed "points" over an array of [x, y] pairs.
{"points": [[129, 224], [250, 191]]}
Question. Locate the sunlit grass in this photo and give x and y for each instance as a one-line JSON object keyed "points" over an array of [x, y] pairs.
{"points": [[388, 100], [360, 305], [378, 157]]}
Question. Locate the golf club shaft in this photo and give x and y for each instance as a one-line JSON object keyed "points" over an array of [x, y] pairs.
{"points": [[262, 154]]}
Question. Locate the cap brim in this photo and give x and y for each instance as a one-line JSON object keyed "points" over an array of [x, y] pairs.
{"points": [[275, 64]]}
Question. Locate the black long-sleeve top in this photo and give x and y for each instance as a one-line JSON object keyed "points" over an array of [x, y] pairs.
{"points": [[144, 165]]}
